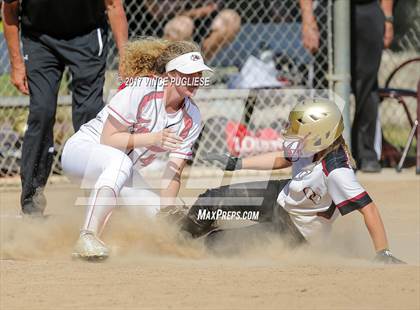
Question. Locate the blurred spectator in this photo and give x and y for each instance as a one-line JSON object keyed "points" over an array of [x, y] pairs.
{"points": [[56, 34], [371, 31], [313, 39], [206, 22], [4, 63]]}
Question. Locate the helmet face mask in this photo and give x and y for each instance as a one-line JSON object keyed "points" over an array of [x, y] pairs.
{"points": [[293, 148], [316, 122]]}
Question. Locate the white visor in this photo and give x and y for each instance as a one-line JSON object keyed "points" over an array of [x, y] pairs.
{"points": [[188, 63]]}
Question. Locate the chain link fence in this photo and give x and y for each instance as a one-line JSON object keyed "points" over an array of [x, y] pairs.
{"points": [[395, 121], [240, 39]]}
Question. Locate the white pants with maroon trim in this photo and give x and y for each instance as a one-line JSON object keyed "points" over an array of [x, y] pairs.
{"points": [[107, 171]]}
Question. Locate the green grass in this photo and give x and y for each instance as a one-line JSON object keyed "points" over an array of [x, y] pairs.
{"points": [[6, 88], [398, 135]]}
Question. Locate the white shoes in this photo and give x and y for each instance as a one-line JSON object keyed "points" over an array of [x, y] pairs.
{"points": [[89, 247]]}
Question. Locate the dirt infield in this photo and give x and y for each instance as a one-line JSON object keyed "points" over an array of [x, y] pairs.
{"points": [[152, 269]]}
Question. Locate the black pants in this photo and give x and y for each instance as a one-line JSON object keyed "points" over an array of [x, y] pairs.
{"points": [[367, 32], [45, 60], [251, 196]]}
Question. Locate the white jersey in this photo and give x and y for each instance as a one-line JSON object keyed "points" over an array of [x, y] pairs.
{"points": [[317, 192], [140, 107]]}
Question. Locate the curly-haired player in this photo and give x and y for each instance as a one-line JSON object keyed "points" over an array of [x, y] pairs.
{"points": [[303, 208], [147, 116]]}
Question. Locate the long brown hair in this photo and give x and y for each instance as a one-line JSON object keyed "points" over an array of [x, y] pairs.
{"points": [[145, 56], [173, 50], [337, 144]]}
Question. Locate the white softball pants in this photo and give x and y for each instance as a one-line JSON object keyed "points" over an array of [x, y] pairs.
{"points": [[107, 171]]}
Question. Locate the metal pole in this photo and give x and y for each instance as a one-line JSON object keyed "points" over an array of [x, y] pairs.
{"points": [[341, 75], [418, 131]]}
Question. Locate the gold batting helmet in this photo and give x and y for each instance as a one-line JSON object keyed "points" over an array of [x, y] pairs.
{"points": [[318, 122]]}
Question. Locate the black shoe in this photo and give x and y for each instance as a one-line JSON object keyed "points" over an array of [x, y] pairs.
{"points": [[35, 215], [196, 228], [370, 166], [35, 206]]}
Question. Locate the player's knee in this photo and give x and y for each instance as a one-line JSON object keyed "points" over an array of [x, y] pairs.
{"points": [[227, 22], [179, 28], [124, 166], [116, 173]]}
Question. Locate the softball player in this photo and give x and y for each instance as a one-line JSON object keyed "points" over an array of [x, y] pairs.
{"points": [[323, 184], [147, 116]]}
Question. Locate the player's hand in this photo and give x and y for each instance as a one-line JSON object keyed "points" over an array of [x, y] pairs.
{"points": [[310, 36], [386, 257], [18, 78], [228, 162], [168, 140], [201, 12]]}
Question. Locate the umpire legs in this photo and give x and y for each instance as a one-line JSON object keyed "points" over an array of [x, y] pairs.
{"points": [[367, 44], [46, 57], [87, 63], [44, 71]]}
